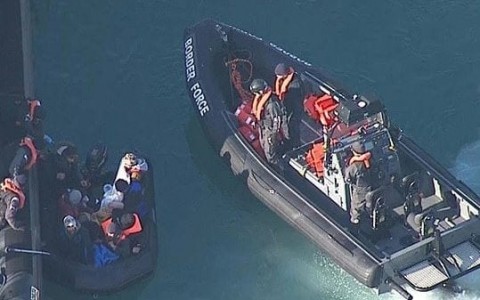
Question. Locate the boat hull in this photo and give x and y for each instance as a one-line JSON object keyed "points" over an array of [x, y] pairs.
{"points": [[385, 259], [266, 184]]}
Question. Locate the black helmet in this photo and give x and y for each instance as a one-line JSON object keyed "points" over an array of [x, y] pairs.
{"points": [[258, 85], [358, 147], [96, 157]]}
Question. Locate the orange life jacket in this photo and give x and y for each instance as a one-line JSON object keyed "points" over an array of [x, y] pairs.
{"points": [[259, 102], [365, 158], [324, 107], [315, 158], [281, 84], [26, 141], [9, 185], [32, 105], [135, 228], [320, 108], [244, 114]]}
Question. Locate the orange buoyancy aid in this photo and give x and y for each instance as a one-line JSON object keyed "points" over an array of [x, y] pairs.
{"points": [[26, 141], [324, 106], [259, 102], [135, 228], [32, 105], [315, 158], [9, 185], [365, 158], [281, 84]]}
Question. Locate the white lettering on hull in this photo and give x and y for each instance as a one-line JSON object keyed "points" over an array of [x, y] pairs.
{"points": [[189, 61], [200, 100], [195, 89]]}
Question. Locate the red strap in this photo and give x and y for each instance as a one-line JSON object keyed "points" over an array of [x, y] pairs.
{"points": [[29, 143], [259, 102], [281, 84], [32, 105]]}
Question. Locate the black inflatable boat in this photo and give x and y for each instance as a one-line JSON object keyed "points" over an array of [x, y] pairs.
{"points": [[89, 277], [422, 226]]}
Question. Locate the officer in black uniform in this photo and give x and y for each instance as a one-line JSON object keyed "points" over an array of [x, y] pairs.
{"points": [[359, 175], [292, 100]]}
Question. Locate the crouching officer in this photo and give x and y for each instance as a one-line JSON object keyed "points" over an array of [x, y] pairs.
{"points": [[12, 199], [271, 117], [359, 175]]}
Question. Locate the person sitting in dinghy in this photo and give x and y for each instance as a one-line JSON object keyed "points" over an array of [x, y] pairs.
{"points": [[67, 173], [124, 234], [112, 200], [25, 158], [94, 177], [12, 199], [134, 166], [272, 119], [75, 242], [73, 203]]}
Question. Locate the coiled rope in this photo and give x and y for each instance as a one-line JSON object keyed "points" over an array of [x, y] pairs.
{"points": [[236, 77]]}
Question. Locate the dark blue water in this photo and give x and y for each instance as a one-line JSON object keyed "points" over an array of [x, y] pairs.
{"points": [[113, 71]]}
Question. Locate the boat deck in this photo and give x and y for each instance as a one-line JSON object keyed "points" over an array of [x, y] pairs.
{"points": [[399, 232]]}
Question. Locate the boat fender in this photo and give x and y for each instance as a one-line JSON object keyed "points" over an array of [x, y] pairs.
{"points": [[3, 277]]}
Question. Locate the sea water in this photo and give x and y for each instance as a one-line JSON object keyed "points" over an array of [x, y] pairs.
{"points": [[113, 71]]}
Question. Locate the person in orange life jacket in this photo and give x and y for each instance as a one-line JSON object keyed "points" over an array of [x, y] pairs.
{"points": [[290, 90], [271, 119], [123, 234], [34, 124], [25, 158], [359, 175], [73, 203], [75, 242], [288, 86], [12, 199], [14, 116], [30, 119]]}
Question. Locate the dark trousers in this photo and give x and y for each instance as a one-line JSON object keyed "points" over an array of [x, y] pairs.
{"points": [[358, 200]]}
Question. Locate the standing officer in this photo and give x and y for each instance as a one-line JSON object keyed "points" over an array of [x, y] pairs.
{"points": [[359, 175], [271, 117]]}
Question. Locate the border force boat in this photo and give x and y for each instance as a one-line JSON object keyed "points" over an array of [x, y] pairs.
{"points": [[416, 225]]}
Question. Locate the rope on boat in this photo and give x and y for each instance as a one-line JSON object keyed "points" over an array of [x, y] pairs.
{"points": [[236, 77]]}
